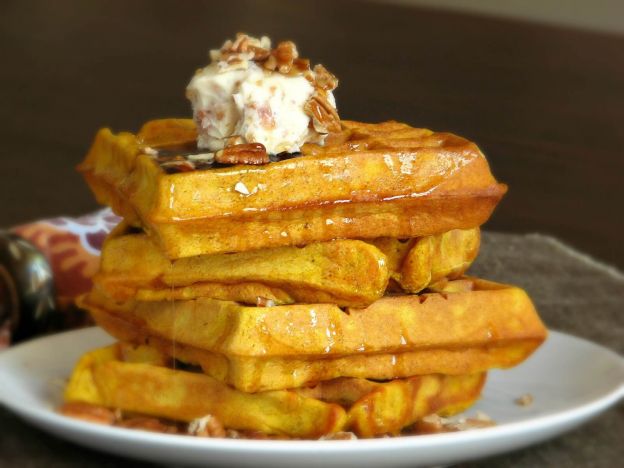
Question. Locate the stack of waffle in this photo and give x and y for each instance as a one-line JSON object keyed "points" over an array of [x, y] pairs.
{"points": [[305, 297]]}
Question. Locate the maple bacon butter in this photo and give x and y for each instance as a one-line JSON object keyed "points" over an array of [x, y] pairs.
{"points": [[251, 93]]}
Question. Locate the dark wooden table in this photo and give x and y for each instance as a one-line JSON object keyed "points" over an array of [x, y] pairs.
{"points": [[545, 104]]}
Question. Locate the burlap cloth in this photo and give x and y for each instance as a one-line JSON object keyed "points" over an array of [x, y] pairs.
{"points": [[573, 293]]}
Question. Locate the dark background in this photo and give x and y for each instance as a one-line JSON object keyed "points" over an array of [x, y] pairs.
{"points": [[545, 104]]}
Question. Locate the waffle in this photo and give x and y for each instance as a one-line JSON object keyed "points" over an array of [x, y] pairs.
{"points": [[297, 295], [368, 181], [482, 325], [349, 273], [102, 377], [415, 264]]}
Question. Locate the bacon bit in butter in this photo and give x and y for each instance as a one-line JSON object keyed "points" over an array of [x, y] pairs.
{"points": [[253, 93]]}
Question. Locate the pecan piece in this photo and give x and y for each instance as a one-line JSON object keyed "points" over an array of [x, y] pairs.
{"points": [[324, 116], [270, 63], [208, 426], [471, 423], [259, 54], [248, 153], [244, 44], [147, 424], [524, 400], [324, 79], [300, 66], [175, 163], [285, 53], [432, 424], [232, 434], [88, 412]]}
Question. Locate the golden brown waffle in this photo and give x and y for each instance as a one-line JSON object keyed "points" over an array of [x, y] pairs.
{"points": [[371, 180], [259, 348], [102, 377], [342, 272], [415, 264]]}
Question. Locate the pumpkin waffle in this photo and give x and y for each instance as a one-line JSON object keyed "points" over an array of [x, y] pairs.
{"points": [[144, 384], [343, 272], [368, 181], [480, 326], [293, 294]]}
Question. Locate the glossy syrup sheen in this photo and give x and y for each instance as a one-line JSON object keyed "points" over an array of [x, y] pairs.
{"points": [[177, 158]]}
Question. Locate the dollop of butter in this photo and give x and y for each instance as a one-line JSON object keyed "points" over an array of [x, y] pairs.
{"points": [[250, 93]]}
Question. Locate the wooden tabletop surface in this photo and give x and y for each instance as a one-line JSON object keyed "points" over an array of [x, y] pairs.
{"points": [[545, 104]]}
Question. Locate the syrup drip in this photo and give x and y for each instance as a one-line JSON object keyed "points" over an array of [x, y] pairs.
{"points": [[173, 320]]}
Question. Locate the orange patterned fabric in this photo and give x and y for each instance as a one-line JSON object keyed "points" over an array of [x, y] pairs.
{"points": [[72, 246]]}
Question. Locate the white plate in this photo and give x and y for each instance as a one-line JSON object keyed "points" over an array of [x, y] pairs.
{"points": [[570, 379]]}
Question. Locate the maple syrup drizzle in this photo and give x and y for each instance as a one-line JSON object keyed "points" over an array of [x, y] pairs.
{"points": [[186, 158], [172, 301]]}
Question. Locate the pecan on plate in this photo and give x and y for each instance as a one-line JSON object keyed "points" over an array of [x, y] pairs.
{"points": [[208, 426], [87, 412], [342, 435], [524, 400], [147, 424]]}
